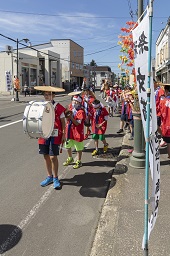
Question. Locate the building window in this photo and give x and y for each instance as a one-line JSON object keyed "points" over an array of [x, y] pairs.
{"points": [[77, 66], [75, 54], [166, 50], [73, 65], [102, 74], [33, 76], [158, 59]]}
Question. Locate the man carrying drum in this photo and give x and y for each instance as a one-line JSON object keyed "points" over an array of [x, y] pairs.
{"points": [[49, 148]]}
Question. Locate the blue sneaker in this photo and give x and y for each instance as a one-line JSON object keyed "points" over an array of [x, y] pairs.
{"points": [[47, 181], [56, 183]]}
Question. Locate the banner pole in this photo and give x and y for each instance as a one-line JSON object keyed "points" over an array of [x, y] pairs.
{"points": [[148, 131]]}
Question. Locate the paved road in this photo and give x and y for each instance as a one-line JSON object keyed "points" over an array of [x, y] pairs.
{"points": [[38, 221]]}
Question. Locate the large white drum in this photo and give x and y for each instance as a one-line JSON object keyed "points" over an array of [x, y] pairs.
{"points": [[38, 119]]}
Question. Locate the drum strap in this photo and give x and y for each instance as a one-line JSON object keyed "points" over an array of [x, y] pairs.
{"points": [[55, 104], [70, 123]]}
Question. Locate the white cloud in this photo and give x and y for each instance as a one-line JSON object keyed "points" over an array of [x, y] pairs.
{"points": [[43, 25]]}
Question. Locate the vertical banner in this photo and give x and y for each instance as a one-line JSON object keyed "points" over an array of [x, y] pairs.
{"points": [[141, 49], [8, 81]]}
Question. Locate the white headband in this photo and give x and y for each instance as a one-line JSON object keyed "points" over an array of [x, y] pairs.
{"points": [[96, 106], [77, 98]]}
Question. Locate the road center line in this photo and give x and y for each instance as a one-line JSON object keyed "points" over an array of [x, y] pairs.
{"points": [[5, 125]]}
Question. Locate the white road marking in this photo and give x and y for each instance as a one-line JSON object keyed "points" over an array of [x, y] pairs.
{"points": [[27, 220], [5, 125]]}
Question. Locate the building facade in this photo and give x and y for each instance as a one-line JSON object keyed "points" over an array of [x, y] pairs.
{"points": [[57, 63], [162, 66], [100, 73], [72, 61]]}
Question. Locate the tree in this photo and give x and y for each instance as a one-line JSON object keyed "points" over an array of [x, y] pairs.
{"points": [[93, 63]]}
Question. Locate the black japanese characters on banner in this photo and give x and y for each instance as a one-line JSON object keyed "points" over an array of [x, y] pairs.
{"points": [[144, 110], [157, 186], [141, 81], [141, 45]]}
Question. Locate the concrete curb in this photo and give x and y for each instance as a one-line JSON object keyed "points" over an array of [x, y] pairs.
{"points": [[103, 244]]}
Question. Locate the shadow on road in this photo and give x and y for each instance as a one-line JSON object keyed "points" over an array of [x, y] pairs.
{"points": [[10, 235], [91, 184]]}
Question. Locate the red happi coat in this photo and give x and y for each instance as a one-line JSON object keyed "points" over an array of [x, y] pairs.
{"points": [[103, 114], [159, 92], [111, 94], [59, 109], [76, 132], [165, 116], [88, 106]]}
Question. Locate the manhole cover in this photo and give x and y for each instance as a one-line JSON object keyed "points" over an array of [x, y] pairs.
{"points": [[112, 154]]}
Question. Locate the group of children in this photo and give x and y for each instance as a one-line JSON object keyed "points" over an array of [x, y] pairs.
{"points": [[117, 98], [71, 122], [73, 125]]}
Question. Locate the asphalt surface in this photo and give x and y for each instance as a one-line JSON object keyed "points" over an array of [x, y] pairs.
{"points": [[42, 221]]}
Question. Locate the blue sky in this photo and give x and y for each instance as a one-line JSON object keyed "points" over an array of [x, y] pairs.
{"points": [[93, 24]]}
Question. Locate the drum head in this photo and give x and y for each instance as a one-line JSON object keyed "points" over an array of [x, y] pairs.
{"points": [[48, 120], [38, 121]]}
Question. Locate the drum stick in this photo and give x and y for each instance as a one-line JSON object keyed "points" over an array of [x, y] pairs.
{"points": [[61, 148]]}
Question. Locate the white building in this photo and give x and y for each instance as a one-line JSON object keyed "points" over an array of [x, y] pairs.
{"points": [[58, 63], [162, 67], [34, 67], [100, 73]]}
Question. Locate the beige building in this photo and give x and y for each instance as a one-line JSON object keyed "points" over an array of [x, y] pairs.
{"points": [[162, 67], [72, 60]]}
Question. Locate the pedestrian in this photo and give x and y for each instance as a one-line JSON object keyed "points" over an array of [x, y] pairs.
{"points": [[49, 148], [124, 111], [165, 117], [159, 93], [26, 89], [99, 125], [104, 88], [88, 97], [130, 106], [75, 115], [111, 101]]}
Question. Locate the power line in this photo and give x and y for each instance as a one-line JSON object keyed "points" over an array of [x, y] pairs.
{"points": [[31, 47], [102, 50], [130, 9], [62, 15], [71, 16]]}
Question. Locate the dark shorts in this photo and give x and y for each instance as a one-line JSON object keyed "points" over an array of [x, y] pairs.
{"points": [[131, 121], [158, 121], [166, 139], [52, 150], [124, 117]]}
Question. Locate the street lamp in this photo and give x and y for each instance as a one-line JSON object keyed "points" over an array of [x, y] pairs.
{"points": [[26, 40]]}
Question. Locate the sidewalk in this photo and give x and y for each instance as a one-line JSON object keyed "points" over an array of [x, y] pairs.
{"points": [[121, 225]]}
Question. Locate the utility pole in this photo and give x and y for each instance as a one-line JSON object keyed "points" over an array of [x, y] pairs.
{"points": [[137, 160], [16, 97], [26, 40], [140, 9]]}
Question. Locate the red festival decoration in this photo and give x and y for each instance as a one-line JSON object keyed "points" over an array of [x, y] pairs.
{"points": [[127, 57]]}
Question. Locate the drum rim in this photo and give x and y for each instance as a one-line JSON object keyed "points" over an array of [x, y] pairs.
{"points": [[42, 104]]}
